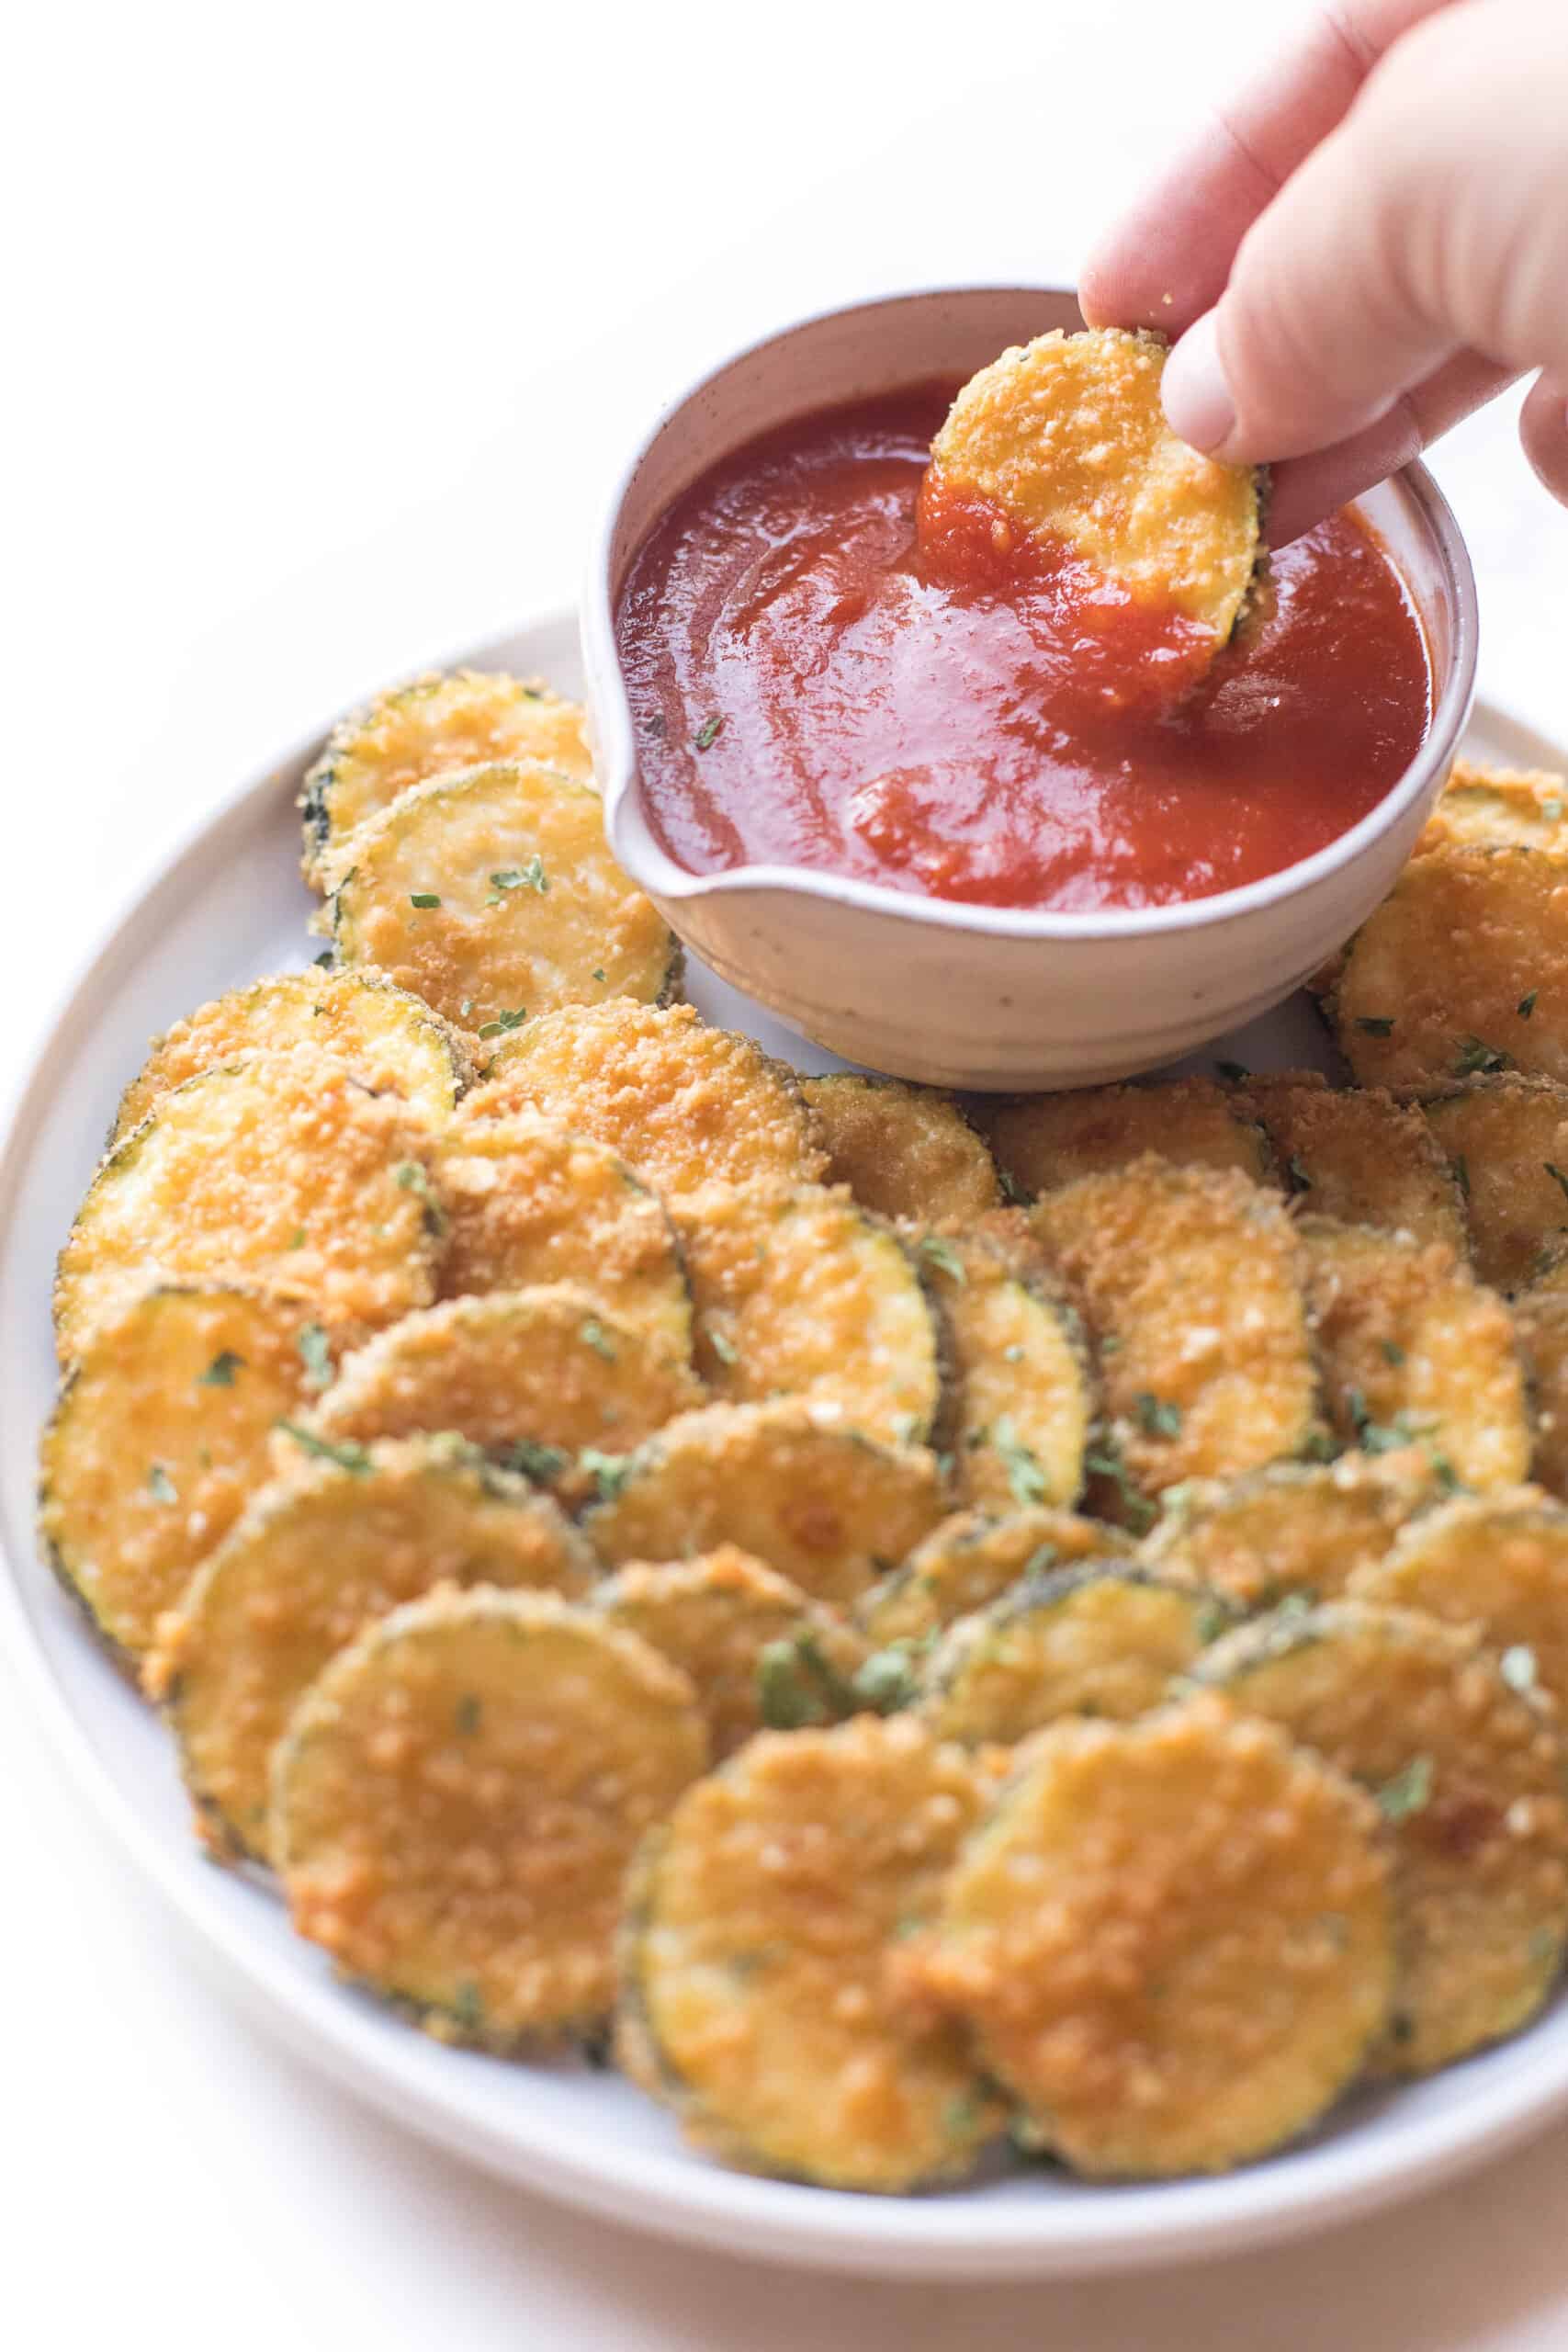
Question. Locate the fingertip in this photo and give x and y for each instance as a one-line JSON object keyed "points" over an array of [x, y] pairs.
{"points": [[1196, 391], [1543, 433]]}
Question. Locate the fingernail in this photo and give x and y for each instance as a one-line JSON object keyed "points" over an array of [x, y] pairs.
{"points": [[1198, 404]]}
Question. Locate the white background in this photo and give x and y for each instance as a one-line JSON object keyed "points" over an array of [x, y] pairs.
{"points": [[326, 322]]}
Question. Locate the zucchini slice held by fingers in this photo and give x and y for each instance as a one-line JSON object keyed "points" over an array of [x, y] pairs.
{"points": [[1025, 1389], [1468, 1773], [1415, 1351], [1044, 1140], [760, 1996], [1067, 436], [799, 1293], [457, 719], [491, 893], [528, 1202], [685, 1106], [1482, 807], [280, 1169], [390, 1040], [534, 1376], [1462, 972], [1190, 1283], [329, 1546], [1194, 1863], [1355, 1153], [971, 1560], [1509, 1137], [828, 1507], [902, 1150], [1296, 1527], [162, 1432], [455, 1715]]}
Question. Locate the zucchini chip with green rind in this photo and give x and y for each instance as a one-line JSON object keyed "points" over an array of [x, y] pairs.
{"points": [[1497, 1562], [1101, 1638], [278, 1170], [161, 1434], [1190, 1281], [1415, 1351], [1483, 808], [685, 1106], [493, 894], [904, 1151], [1355, 1153], [1468, 1773], [1067, 435], [461, 718], [1172, 1939], [1463, 971], [534, 1376], [526, 1203], [1024, 1393], [1541, 1324], [760, 1995], [1296, 1527], [457, 1799], [971, 1560], [716, 1617], [390, 1040], [330, 1544], [1045, 1140], [799, 1293], [1509, 1136], [825, 1506]]}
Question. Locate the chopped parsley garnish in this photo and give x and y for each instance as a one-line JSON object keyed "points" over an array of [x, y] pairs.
{"points": [[1475, 1056], [1104, 1461], [1408, 1793], [347, 1456], [1551, 809], [1235, 1071], [1558, 1178], [1526, 1005], [531, 1460], [317, 1354], [1300, 1181], [1011, 1189], [424, 897], [297, 1240], [327, 958], [413, 1176], [160, 1486], [531, 876], [599, 976], [1156, 1417], [1392, 1352], [593, 1334], [503, 1021], [1375, 1025], [1518, 1666], [1026, 1479], [608, 1470], [887, 1681], [219, 1372], [466, 1715], [944, 1257], [721, 1343], [708, 733]]}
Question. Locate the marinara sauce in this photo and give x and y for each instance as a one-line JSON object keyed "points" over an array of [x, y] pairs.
{"points": [[824, 673]]}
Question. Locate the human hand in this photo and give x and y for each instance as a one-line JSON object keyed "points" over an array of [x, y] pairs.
{"points": [[1370, 243]]}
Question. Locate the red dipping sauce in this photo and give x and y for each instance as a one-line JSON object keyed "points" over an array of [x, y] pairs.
{"points": [[814, 680]]}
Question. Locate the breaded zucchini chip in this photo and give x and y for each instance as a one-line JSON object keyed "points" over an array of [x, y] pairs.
{"points": [[971, 1560], [823, 1505], [279, 1169], [390, 1040], [491, 894], [1462, 971], [1507, 1140], [1190, 1282], [1044, 1140], [1541, 1324], [459, 719], [716, 1617], [536, 1376], [1296, 1527], [687, 1105], [160, 1435], [1067, 435], [1497, 1562], [1415, 1350], [526, 1203], [758, 1996], [1355, 1153], [457, 1799], [902, 1150], [1025, 1395], [1484, 807], [1468, 1774], [1173, 1940], [328, 1546], [1102, 1638], [801, 1294]]}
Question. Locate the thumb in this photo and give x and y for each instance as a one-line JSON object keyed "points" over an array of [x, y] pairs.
{"points": [[1432, 220]]}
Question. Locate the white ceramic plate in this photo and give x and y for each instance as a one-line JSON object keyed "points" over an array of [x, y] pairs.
{"points": [[229, 906]]}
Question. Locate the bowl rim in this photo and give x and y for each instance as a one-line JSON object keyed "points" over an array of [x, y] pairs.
{"points": [[632, 838]]}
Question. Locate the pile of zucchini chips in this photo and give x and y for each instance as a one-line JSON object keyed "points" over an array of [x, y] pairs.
{"points": [[930, 1631]]}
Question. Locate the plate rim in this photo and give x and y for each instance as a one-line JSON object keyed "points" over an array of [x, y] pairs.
{"points": [[1105, 2230]]}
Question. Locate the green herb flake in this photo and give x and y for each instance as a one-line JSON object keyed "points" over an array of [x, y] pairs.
{"points": [[1518, 1666], [1477, 1057], [466, 1715], [608, 1470], [1156, 1417], [531, 876], [316, 1351], [592, 1334], [944, 1257], [424, 897], [1375, 1025], [1526, 1005], [1013, 1354], [1409, 1791], [599, 976], [543, 1463], [326, 959], [297, 1240], [708, 733], [503, 1022], [219, 1372], [413, 1176], [887, 1681], [1557, 1176], [1393, 1352], [906, 1428], [721, 1343], [1026, 1478], [1012, 1191], [160, 1486], [347, 1456], [468, 2008], [1296, 1171]]}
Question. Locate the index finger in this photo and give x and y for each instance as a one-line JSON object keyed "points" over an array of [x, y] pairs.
{"points": [[1167, 260]]}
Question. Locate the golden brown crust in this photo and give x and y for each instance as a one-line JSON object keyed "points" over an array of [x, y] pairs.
{"points": [[1356, 1154], [1507, 1138], [971, 1560], [1496, 1563], [1296, 1527], [1044, 1140], [1484, 807], [902, 1150], [1541, 1324], [457, 1799]]}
